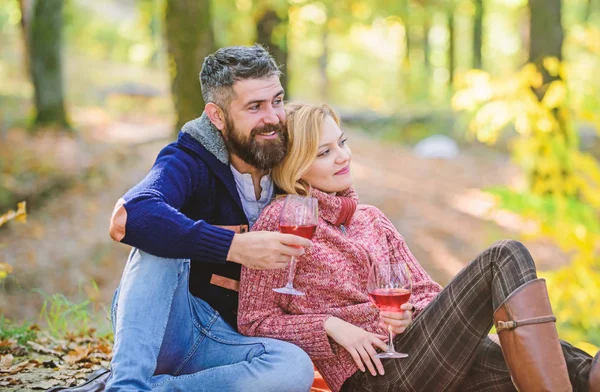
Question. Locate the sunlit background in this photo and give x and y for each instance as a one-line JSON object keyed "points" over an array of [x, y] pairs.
{"points": [[470, 121]]}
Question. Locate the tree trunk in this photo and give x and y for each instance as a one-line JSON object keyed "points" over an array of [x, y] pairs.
{"points": [[477, 34], [189, 39], [407, 32], [323, 60], [45, 45], [545, 35], [271, 32], [426, 29], [589, 10], [451, 48], [26, 7]]}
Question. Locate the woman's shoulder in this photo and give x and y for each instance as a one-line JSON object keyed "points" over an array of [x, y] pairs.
{"points": [[269, 217], [370, 210], [375, 215], [276, 205]]}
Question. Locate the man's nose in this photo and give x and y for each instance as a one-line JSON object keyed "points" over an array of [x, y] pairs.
{"points": [[271, 117]]}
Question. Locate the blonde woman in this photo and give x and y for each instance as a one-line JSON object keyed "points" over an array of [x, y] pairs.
{"points": [[444, 331]]}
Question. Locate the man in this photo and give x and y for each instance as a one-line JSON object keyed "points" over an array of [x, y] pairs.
{"points": [[174, 313]]}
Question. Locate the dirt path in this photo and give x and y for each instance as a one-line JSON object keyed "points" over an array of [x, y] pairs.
{"points": [[434, 204]]}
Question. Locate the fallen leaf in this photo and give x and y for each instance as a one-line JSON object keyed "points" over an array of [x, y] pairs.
{"points": [[19, 367], [6, 361], [78, 354], [9, 381], [41, 349], [45, 384]]}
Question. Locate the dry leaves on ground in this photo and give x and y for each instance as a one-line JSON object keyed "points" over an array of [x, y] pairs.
{"points": [[50, 362]]}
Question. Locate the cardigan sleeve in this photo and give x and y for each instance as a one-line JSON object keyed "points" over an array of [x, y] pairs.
{"points": [[154, 222], [262, 314], [424, 289]]}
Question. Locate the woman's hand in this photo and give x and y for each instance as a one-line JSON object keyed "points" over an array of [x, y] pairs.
{"points": [[358, 342], [397, 321]]}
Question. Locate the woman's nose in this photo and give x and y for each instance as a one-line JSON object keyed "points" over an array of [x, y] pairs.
{"points": [[343, 155]]}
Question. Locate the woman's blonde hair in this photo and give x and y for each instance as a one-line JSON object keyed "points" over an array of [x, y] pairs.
{"points": [[304, 124]]}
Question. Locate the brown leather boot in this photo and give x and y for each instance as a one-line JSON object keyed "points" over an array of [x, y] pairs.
{"points": [[526, 327], [595, 374]]}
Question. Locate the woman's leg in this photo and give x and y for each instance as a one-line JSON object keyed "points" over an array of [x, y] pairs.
{"points": [[445, 338], [490, 372]]}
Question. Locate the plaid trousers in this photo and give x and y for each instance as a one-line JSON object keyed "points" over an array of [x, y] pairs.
{"points": [[448, 344]]}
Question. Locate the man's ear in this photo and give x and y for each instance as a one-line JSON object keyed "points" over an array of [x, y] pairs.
{"points": [[215, 115]]}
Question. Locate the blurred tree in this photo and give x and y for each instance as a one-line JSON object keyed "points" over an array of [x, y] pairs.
{"points": [[189, 39], [589, 10], [426, 48], [324, 58], [477, 33], [44, 37], [451, 45], [271, 31], [150, 16], [546, 37], [25, 6]]}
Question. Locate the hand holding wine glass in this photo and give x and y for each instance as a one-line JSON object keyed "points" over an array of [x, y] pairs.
{"points": [[397, 321], [389, 288], [299, 216]]}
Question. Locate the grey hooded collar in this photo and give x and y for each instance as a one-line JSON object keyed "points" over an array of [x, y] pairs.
{"points": [[210, 137]]}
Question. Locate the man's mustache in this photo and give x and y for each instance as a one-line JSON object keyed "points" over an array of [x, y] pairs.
{"points": [[268, 128]]}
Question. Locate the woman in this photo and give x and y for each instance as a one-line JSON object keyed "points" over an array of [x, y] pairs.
{"points": [[445, 332]]}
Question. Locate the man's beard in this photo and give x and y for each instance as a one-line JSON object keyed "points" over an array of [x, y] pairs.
{"points": [[263, 156]]}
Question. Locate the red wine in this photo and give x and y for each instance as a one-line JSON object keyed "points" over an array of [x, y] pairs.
{"points": [[303, 231], [389, 300]]}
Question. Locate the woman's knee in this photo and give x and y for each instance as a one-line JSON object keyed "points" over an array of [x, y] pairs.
{"points": [[512, 251]]}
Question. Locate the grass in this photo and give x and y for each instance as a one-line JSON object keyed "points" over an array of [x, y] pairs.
{"points": [[21, 332], [66, 317]]}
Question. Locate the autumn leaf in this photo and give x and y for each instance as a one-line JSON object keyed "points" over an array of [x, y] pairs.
{"points": [[6, 361], [9, 382], [19, 216], [5, 269], [45, 384], [41, 349], [19, 367], [78, 354]]}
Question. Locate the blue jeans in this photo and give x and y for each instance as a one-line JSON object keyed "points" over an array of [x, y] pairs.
{"points": [[168, 340]]}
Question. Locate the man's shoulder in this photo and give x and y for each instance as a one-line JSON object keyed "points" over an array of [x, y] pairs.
{"points": [[185, 150]]}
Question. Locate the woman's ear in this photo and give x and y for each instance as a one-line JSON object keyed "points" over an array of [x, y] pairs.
{"points": [[215, 115]]}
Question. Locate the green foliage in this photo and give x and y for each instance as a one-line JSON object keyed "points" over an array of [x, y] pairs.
{"points": [[22, 332], [64, 316], [563, 190]]}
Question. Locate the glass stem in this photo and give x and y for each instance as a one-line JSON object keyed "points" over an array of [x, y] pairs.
{"points": [[290, 282], [390, 348]]}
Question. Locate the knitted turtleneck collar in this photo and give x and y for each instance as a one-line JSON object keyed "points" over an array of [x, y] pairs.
{"points": [[336, 209]]}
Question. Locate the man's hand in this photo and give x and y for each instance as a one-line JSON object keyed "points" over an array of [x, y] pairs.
{"points": [[358, 342], [266, 249], [397, 321]]}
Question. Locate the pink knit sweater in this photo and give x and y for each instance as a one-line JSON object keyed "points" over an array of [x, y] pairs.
{"points": [[333, 274]]}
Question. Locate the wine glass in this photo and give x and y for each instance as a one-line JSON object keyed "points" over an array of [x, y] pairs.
{"points": [[299, 216], [389, 287]]}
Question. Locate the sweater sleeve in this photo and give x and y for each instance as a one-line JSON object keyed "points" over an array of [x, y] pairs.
{"points": [[424, 289], [154, 222], [261, 312]]}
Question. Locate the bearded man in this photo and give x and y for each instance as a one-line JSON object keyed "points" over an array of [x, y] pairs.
{"points": [[174, 312]]}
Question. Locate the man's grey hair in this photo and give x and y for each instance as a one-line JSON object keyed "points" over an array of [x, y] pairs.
{"points": [[226, 66]]}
